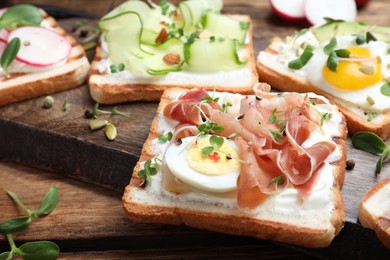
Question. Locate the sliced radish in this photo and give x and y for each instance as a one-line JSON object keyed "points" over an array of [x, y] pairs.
{"points": [[317, 10], [3, 44], [361, 3], [4, 34], [290, 10], [40, 46]]}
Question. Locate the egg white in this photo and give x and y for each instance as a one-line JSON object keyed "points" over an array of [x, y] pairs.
{"points": [[175, 157]]}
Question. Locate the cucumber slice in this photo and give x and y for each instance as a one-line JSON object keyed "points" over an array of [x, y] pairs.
{"points": [[131, 5], [204, 55], [226, 27]]}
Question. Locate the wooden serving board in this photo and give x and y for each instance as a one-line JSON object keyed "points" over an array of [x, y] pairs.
{"points": [[62, 141]]}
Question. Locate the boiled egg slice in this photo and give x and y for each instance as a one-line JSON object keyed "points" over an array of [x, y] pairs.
{"points": [[216, 172]]}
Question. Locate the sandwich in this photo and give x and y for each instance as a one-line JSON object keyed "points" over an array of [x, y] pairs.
{"points": [[145, 50], [267, 165], [374, 211], [347, 62], [37, 56]]}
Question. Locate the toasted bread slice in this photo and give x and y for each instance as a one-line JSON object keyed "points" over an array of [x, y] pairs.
{"points": [[277, 74], [22, 86], [107, 88], [374, 211], [311, 224]]}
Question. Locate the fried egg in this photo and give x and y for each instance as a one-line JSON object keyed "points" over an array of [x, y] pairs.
{"points": [[214, 172]]}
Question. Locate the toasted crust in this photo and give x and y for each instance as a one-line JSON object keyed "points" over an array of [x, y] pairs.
{"points": [[295, 83], [110, 90], [243, 225], [22, 86], [380, 224]]}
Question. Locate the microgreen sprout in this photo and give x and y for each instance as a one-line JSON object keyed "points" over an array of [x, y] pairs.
{"points": [[30, 250], [225, 107], [276, 135], [65, 106], [277, 181], [385, 89], [371, 143], [325, 116], [216, 142], [210, 99], [163, 138], [303, 59], [371, 116], [279, 122], [151, 168], [114, 111]]}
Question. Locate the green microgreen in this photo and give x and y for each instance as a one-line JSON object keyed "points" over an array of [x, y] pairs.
{"points": [[244, 25], [360, 39], [385, 89], [332, 61], [9, 54], [114, 111], [280, 94], [303, 59], [370, 37], [342, 53], [371, 143], [19, 15], [30, 250], [276, 135], [209, 126], [65, 105], [163, 138], [279, 122], [225, 107], [325, 116], [231, 136], [151, 168], [221, 39], [117, 68], [212, 38], [329, 20], [371, 116], [330, 46], [278, 180], [210, 99], [216, 142], [164, 6]]}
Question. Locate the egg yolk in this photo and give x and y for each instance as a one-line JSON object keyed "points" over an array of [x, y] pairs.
{"points": [[216, 163], [360, 70]]}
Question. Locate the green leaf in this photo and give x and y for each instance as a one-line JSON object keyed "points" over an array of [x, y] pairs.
{"points": [[165, 138], [329, 20], [216, 141], [212, 38], [369, 142], [272, 117], [22, 14], [49, 203], [5, 255], [244, 25], [385, 89], [207, 150], [370, 37], [330, 46], [303, 59], [276, 135], [379, 163], [332, 61], [218, 128], [14, 224], [9, 54], [360, 39], [39, 250], [371, 115], [142, 174], [225, 107], [343, 53], [210, 99]]}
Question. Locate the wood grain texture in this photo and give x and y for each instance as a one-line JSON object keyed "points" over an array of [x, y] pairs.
{"points": [[62, 141]]}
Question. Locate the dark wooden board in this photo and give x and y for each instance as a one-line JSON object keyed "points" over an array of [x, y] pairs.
{"points": [[61, 141]]}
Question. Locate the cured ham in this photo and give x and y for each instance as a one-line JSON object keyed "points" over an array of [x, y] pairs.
{"points": [[270, 133]]}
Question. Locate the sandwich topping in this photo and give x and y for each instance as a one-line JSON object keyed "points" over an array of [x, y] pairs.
{"points": [[27, 44], [250, 148], [348, 60], [160, 39]]}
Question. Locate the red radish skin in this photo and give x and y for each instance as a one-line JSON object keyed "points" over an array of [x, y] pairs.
{"points": [[40, 47], [361, 3], [317, 10], [289, 10]]}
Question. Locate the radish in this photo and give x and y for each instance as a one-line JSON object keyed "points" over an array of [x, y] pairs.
{"points": [[40, 46], [4, 34], [290, 10], [361, 3], [317, 10]]}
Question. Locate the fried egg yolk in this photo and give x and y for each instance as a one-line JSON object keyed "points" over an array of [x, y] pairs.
{"points": [[360, 70], [219, 162]]}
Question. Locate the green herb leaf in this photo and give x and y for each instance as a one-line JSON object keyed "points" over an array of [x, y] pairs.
{"points": [[379, 163], [371, 116], [216, 141], [9, 54], [276, 135], [360, 39], [207, 150], [65, 106], [217, 128], [210, 99], [370, 37], [278, 180], [329, 20], [165, 138], [212, 38], [342, 53], [121, 67], [14, 224], [5, 255], [332, 61], [39, 250], [49, 203], [244, 25], [369, 142], [23, 14], [164, 6], [385, 89], [326, 116], [225, 107], [150, 169], [303, 59], [330, 46], [116, 112]]}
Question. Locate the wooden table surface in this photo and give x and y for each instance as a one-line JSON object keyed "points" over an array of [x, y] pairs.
{"points": [[89, 222]]}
